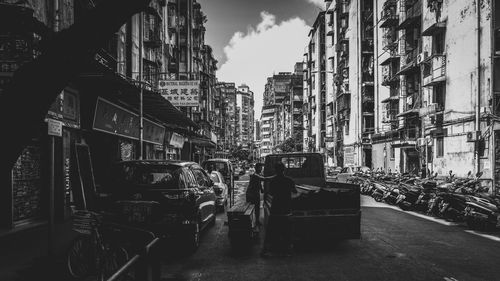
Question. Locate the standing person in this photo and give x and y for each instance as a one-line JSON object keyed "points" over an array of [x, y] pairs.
{"points": [[279, 225], [254, 190]]}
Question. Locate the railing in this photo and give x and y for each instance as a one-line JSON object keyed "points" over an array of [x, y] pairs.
{"points": [[146, 263], [437, 71], [413, 11]]}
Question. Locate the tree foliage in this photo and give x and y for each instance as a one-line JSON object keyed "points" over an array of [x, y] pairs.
{"points": [[240, 153]]}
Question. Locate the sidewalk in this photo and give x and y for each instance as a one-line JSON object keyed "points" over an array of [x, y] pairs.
{"points": [[24, 254]]}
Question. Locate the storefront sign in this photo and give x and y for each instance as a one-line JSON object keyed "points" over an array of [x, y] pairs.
{"points": [[177, 140], [180, 93], [116, 120], [54, 127], [153, 132], [113, 119], [66, 108]]}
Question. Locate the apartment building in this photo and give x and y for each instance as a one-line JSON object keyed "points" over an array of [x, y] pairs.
{"points": [[314, 88], [245, 111]]}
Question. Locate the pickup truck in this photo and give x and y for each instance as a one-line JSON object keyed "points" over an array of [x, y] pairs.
{"points": [[321, 209]]}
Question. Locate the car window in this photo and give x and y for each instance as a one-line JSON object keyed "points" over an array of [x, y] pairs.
{"points": [[183, 180], [215, 177], [296, 166], [161, 176], [200, 177], [190, 178], [344, 171]]}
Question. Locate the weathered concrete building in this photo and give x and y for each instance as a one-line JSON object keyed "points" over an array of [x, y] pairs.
{"points": [[314, 98]]}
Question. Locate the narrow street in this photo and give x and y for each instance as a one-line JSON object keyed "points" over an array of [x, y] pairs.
{"points": [[395, 245]]}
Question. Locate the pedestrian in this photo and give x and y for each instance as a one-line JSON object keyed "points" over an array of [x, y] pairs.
{"points": [[424, 171], [254, 190], [278, 230]]}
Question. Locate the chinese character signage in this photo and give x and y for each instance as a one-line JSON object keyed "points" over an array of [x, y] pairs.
{"points": [[113, 119], [181, 93]]}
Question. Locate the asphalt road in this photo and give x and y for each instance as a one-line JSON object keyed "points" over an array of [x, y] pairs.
{"points": [[395, 245]]}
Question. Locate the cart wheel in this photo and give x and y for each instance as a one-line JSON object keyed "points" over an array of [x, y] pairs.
{"points": [[80, 257]]}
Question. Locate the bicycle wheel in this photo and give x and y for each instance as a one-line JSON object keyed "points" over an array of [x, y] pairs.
{"points": [[114, 258], [80, 257]]}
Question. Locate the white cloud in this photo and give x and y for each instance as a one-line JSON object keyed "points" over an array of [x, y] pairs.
{"points": [[268, 48], [319, 3]]}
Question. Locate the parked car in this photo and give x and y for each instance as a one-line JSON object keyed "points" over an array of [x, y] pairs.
{"points": [[225, 167], [167, 197], [348, 171], [220, 189]]}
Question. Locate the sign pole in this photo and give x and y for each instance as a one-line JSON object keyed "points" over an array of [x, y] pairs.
{"points": [[51, 198], [141, 113], [54, 128]]}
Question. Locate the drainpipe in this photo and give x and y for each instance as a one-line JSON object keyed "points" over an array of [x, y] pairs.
{"points": [[478, 101]]}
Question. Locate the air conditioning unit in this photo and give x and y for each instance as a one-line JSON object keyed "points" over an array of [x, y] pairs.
{"points": [[473, 136], [421, 57]]}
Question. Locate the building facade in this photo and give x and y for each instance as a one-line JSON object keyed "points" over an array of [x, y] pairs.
{"points": [[409, 86]]}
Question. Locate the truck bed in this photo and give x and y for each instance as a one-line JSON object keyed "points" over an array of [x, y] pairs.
{"points": [[325, 212]]}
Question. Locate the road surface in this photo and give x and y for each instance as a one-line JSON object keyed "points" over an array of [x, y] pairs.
{"points": [[395, 245]]}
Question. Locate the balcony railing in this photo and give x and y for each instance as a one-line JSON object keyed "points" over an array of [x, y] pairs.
{"points": [[389, 16], [437, 73], [410, 16]]}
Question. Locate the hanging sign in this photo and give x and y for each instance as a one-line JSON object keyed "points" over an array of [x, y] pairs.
{"points": [[177, 140], [180, 93]]}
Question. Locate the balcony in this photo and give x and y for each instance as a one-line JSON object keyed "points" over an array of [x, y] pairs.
{"points": [[152, 36], [409, 62], [436, 71], [410, 16], [435, 28], [389, 16], [393, 57], [389, 79]]}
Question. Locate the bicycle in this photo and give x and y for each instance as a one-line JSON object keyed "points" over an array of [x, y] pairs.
{"points": [[91, 253]]}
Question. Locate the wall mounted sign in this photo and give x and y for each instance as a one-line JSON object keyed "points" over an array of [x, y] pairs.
{"points": [[114, 119], [180, 93]]}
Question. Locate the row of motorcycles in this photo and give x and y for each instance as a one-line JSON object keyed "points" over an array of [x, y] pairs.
{"points": [[452, 198]]}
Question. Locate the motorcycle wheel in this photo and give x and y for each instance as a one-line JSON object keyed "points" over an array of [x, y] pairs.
{"points": [[471, 223]]}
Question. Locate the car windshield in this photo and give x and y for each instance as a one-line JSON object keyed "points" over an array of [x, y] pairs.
{"points": [[214, 177], [296, 166], [162, 176], [220, 167]]}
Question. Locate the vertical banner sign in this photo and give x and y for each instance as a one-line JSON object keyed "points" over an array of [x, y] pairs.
{"points": [[181, 93]]}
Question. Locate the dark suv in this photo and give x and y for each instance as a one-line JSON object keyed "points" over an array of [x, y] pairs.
{"points": [[169, 198]]}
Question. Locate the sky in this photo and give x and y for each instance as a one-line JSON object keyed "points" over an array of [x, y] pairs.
{"points": [[254, 39]]}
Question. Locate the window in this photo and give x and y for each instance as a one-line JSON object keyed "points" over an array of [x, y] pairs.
{"points": [[439, 96], [439, 147], [200, 177], [438, 44], [392, 153]]}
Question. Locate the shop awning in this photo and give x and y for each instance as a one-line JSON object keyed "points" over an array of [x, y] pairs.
{"points": [[408, 112], [203, 142], [117, 87], [389, 99]]}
